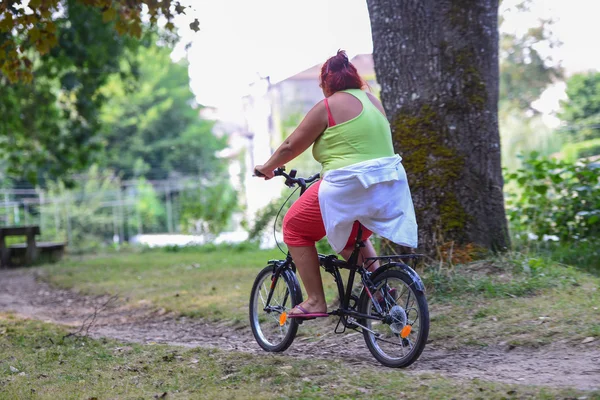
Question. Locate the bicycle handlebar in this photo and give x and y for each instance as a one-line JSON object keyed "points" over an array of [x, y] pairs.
{"points": [[290, 179]]}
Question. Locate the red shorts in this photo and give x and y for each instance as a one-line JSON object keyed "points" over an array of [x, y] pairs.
{"points": [[303, 224]]}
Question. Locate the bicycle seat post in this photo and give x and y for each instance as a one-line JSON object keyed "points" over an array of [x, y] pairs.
{"points": [[352, 260]]}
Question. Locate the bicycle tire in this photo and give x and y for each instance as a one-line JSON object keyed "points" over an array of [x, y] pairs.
{"points": [[266, 327], [387, 335]]}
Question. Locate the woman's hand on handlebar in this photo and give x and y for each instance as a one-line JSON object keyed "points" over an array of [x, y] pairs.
{"points": [[262, 172]]}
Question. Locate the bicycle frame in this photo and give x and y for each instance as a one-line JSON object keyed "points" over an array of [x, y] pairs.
{"points": [[332, 265]]}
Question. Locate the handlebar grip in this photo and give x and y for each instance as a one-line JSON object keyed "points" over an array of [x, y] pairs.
{"points": [[277, 172]]}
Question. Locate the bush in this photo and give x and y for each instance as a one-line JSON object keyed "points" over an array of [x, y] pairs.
{"points": [[583, 254], [208, 209], [266, 217], [575, 151], [555, 200], [211, 248], [554, 208]]}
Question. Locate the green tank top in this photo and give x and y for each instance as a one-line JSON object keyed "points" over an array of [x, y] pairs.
{"points": [[364, 137]]}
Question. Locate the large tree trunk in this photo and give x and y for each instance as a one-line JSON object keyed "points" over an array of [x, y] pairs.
{"points": [[437, 64]]}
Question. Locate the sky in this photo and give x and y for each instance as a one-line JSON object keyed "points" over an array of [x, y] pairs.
{"points": [[241, 41]]}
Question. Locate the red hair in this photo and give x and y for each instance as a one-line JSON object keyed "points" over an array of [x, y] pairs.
{"points": [[338, 73]]}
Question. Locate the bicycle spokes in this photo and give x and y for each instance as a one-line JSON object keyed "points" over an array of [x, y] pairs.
{"points": [[395, 335], [273, 294]]}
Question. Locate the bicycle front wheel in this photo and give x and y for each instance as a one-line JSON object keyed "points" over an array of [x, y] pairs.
{"points": [[399, 338], [271, 297]]}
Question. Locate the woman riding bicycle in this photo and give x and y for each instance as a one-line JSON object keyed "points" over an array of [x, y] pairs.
{"points": [[363, 180]]}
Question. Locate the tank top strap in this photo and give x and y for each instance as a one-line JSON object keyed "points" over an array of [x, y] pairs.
{"points": [[330, 119], [360, 94], [368, 106]]}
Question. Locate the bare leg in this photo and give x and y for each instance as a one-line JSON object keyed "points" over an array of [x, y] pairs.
{"points": [[365, 252], [307, 262]]}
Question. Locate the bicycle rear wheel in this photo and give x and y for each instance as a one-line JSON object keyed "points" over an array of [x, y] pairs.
{"points": [[399, 339], [272, 331]]}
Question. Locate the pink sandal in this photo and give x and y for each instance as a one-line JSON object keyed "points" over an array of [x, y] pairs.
{"points": [[304, 314]]}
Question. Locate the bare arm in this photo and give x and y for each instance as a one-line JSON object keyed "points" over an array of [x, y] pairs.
{"points": [[303, 136]]}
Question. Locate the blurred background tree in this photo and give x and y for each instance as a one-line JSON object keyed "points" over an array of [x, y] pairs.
{"points": [[55, 55], [581, 111], [50, 122], [151, 125], [526, 71], [30, 27], [87, 86]]}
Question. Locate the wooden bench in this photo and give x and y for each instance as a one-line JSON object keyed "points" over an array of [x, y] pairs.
{"points": [[26, 253]]}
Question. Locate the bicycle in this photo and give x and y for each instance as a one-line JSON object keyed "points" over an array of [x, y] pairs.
{"points": [[395, 328]]}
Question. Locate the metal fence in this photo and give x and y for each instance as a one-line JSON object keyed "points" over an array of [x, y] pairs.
{"points": [[99, 212]]}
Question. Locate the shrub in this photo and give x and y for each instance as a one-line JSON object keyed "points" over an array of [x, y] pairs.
{"points": [[272, 213], [554, 199], [575, 151]]}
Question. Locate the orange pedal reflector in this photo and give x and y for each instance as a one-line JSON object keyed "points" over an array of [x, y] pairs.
{"points": [[282, 319], [405, 331]]}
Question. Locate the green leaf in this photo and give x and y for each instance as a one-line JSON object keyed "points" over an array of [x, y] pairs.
{"points": [[121, 27], [34, 35], [136, 29], [556, 179], [35, 4], [7, 23], [541, 189], [109, 15]]}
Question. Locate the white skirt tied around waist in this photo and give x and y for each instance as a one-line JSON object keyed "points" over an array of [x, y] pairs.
{"points": [[375, 193]]}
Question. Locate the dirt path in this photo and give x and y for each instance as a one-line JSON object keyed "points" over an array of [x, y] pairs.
{"points": [[22, 292]]}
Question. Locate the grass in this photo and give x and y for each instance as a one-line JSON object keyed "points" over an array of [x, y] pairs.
{"points": [[583, 254], [194, 282], [532, 301], [37, 360], [214, 285]]}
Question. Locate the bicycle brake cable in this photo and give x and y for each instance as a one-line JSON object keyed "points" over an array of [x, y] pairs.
{"points": [[277, 216]]}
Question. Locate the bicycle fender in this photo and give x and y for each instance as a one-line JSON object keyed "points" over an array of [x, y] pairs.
{"points": [[290, 275], [296, 285], [412, 274], [275, 263], [278, 263]]}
